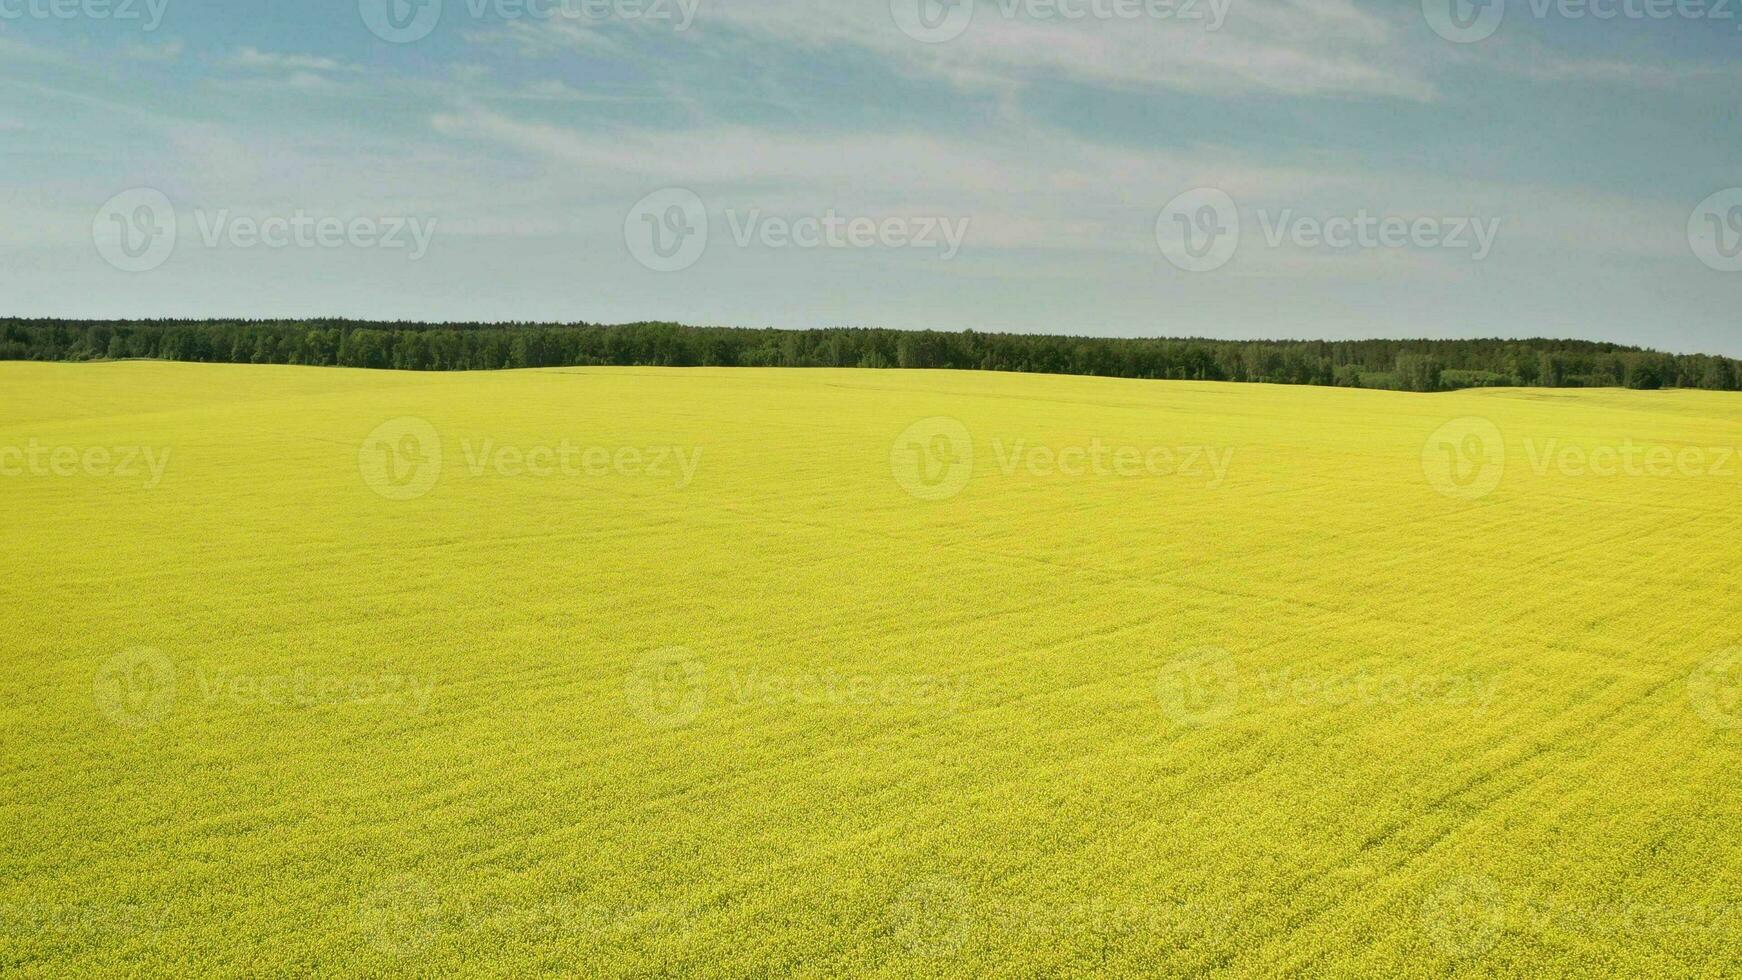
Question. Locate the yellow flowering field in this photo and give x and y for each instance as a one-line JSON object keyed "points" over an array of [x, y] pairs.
{"points": [[688, 673]]}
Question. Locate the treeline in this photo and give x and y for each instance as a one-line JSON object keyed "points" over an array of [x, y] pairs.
{"points": [[1409, 365]]}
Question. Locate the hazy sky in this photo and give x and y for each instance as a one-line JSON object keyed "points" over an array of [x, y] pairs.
{"points": [[1404, 169]]}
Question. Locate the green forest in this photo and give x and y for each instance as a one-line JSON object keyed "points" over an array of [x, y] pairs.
{"points": [[1407, 365]]}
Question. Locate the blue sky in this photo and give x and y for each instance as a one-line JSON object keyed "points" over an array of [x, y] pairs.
{"points": [[529, 146]]}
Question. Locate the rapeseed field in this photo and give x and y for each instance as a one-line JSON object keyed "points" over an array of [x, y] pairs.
{"points": [[689, 673]]}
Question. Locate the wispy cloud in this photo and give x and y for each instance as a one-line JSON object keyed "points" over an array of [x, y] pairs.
{"points": [[166, 51], [253, 59], [1288, 47]]}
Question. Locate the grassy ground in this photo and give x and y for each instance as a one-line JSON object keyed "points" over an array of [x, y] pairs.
{"points": [[739, 672]]}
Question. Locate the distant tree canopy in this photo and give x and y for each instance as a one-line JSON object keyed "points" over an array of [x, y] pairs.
{"points": [[1409, 365]]}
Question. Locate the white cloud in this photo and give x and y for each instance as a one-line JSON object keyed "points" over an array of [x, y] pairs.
{"points": [[166, 51], [542, 39], [253, 59], [1290, 47]]}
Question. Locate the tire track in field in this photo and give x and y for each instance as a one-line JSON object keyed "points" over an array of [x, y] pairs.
{"points": [[1561, 742]]}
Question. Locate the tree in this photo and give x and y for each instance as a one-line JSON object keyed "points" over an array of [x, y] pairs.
{"points": [[1418, 372], [1720, 375]]}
